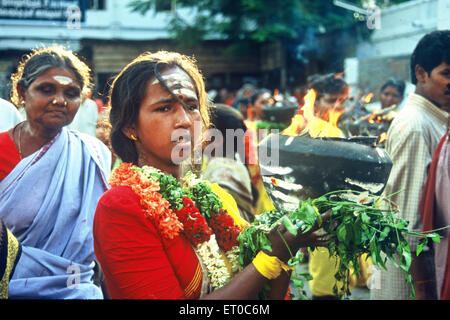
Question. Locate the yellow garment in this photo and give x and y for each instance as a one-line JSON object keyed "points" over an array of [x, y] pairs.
{"points": [[228, 203], [263, 203], [322, 268], [13, 251], [269, 266]]}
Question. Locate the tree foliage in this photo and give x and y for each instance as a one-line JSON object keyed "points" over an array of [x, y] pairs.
{"points": [[255, 20]]}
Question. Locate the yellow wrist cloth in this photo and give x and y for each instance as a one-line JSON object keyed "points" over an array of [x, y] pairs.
{"points": [[269, 266]]}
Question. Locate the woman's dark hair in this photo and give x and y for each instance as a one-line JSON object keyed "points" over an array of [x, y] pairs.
{"points": [[431, 51], [224, 117], [40, 60], [396, 83], [128, 90], [257, 94]]}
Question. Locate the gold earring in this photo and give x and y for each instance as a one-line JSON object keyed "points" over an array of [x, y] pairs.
{"points": [[133, 138]]}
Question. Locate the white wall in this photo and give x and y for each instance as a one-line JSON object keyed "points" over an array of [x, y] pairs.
{"points": [[403, 25], [116, 22]]}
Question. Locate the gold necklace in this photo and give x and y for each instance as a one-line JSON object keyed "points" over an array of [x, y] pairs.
{"points": [[19, 142]]}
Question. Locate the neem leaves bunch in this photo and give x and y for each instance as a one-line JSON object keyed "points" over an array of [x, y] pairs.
{"points": [[360, 223]]}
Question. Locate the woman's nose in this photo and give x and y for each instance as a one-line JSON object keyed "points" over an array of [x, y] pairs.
{"points": [[58, 98], [182, 117]]}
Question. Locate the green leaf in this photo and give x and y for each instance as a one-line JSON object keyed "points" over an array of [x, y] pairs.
{"points": [[420, 246], [289, 225], [341, 233], [436, 238]]}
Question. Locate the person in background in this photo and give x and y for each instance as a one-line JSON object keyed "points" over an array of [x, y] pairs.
{"points": [[246, 91], [86, 118], [51, 179], [10, 251], [103, 132], [10, 116], [244, 108], [411, 140], [332, 92], [392, 93], [137, 235], [257, 101], [262, 202], [435, 210], [229, 170]]}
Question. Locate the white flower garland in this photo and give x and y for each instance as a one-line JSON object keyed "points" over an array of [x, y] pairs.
{"points": [[209, 253]]}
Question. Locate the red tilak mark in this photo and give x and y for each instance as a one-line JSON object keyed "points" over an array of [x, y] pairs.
{"points": [[26, 280]]}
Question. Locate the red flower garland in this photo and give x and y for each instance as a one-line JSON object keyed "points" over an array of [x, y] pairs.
{"points": [[170, 222], [226, 231], [195, 227]]}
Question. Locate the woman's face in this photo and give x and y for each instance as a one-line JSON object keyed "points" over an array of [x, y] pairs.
{"points": [[260, 102], [52, 99], [165, 127], [390, 96]]}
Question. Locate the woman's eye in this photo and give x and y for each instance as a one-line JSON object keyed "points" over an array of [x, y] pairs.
{"points": [[73, 93], [163, 108], [192, 107], [46, 89]]}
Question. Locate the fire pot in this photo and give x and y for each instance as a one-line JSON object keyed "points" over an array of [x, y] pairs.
{"points": [[296, 168]]}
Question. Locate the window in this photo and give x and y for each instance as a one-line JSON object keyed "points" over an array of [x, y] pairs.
{"points": [[96, 4]]}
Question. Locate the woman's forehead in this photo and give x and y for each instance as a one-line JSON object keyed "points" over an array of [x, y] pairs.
{"points": [[177, 81], [174, 77], [60, 75]]}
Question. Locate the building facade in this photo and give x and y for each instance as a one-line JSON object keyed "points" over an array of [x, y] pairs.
{"points": [[109, 35]]}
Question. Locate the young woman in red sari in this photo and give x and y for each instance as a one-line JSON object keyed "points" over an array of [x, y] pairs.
{"points": [[151, 242]]}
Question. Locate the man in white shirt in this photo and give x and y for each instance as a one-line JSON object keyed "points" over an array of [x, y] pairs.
{"points": [[412, 139], [9, 115]]}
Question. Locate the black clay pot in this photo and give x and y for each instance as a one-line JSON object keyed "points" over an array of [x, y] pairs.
{"points": [[310, 167], [280, 112]]}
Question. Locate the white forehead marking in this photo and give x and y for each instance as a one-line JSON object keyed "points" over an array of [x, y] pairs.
{"points": [[63, 80], [179, 82], [176, 78]]}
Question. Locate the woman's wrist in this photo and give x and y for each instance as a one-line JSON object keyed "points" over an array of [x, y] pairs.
{"points": [[270, 267]]}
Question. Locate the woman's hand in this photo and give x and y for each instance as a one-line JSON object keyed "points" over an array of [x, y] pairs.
{"points": [[316, 236]]}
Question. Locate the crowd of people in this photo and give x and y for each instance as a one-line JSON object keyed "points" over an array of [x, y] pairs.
{"points": [[93, 204]]}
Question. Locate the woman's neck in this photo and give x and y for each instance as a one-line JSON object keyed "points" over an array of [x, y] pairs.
{"points": [[173, 169], [30, 139]]}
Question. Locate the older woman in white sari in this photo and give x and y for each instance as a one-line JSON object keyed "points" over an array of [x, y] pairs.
{"points": [[51, 179]]}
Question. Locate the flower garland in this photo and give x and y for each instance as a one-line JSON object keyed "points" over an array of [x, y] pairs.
{"points": [[190, 208]]}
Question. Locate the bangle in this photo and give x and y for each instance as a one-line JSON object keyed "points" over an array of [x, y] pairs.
{"points": [[269, 266]]}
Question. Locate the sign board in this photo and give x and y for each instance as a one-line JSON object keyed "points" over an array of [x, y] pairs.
{"points": [[43, 10]]}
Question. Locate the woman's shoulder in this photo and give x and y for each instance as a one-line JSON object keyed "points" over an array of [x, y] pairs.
{"points": [[97, 149], [5, 139], [120, 197], [121, 206], [9, 157]]}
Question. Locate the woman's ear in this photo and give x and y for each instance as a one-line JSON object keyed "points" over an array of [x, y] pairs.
{"points": [[21, 93], [130, 132]]}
